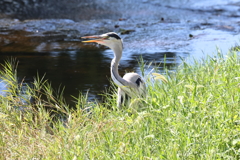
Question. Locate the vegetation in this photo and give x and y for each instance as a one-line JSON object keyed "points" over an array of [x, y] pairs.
{"points": [[192, 113]]}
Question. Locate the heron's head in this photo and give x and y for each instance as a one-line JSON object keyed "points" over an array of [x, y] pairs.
{"points": [[111, 40]]}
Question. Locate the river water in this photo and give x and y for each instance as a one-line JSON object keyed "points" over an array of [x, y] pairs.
{"points": [[47, 41]]}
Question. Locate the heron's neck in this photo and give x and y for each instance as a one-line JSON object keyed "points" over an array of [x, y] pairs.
{"points": [[114, 68]]}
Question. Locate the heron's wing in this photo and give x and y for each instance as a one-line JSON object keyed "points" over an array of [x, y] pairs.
{"points": [[136, 84]]}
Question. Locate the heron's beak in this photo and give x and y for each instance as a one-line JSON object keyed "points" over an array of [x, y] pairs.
{"points": [[95, 39]]}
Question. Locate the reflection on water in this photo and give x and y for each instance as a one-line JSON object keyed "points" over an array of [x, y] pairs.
{"points": [[82, 70], [3, 88], [71, 64]]}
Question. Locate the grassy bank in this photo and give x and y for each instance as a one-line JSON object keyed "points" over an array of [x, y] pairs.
{"points": [[194, 115]]}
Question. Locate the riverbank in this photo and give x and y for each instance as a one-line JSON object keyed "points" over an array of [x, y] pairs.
{"points": [[192, 115], [45, 37]]}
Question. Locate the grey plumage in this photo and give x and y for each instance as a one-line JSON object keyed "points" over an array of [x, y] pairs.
{"points": [[131, 85]]}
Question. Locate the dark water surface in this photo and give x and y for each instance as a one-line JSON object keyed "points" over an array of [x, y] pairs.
{"points": [[86, 70]]}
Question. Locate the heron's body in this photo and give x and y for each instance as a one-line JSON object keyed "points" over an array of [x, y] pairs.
{"points": [[131, 85], [137, 89]]}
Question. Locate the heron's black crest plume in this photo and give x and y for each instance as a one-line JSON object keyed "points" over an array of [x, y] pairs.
{"points": [[114, 35]]}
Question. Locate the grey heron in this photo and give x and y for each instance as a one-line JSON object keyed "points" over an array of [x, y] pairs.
{"points": [[131, 85]]}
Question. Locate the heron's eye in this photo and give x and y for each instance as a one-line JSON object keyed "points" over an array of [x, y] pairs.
{"points": [[106, 38]]}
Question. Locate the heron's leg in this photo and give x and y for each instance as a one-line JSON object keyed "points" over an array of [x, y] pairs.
{"points": [[120, 98], [123, 99]]}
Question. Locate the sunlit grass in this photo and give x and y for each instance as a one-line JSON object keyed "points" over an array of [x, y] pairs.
{"points": [[192, 113]]}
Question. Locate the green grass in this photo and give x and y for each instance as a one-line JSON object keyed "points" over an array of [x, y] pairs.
{"points": [[192, 114]]}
